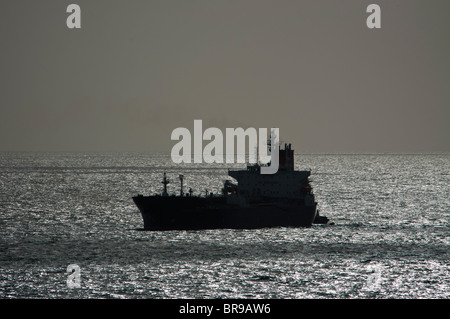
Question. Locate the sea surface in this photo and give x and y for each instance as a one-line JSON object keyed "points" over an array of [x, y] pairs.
{"points": [[390, 237]]}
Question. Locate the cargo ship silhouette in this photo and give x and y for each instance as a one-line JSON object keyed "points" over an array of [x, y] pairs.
{"points": [[283, 199]]}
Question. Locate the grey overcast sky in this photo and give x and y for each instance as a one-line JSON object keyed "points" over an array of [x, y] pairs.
{"points": [[138, 69]]}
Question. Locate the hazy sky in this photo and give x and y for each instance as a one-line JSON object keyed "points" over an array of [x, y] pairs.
{"points": [[138, 69]]}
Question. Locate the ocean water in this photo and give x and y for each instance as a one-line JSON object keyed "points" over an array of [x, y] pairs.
{"points": [[390, 238]]}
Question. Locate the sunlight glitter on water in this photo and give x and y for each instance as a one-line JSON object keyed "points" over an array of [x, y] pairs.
{"points": [[390, 238]]}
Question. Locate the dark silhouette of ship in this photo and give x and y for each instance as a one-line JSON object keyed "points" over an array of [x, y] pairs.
{"points": [[283, 199]]}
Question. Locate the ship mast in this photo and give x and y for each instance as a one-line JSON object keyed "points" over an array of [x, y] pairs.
{"points": [[165, 181], [181, 181]]}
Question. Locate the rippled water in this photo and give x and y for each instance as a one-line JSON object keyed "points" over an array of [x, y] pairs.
{"points": [[391, 236]]}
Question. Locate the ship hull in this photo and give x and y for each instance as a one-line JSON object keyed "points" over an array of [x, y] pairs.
{"points": [[193, 213]]}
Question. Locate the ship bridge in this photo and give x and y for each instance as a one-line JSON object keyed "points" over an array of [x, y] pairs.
{"points": [[286, 183]]}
